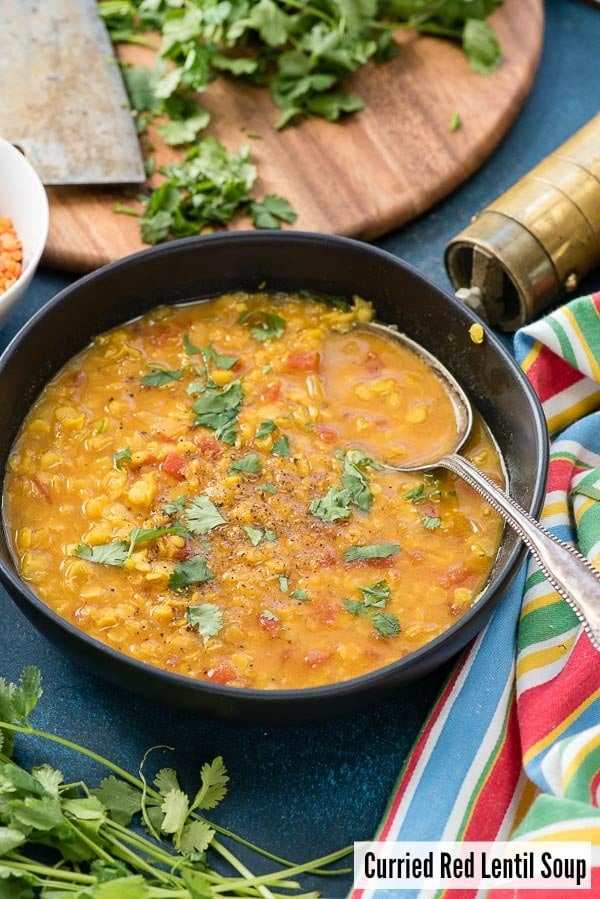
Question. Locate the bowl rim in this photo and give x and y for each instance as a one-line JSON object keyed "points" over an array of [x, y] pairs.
{"points": [[42, 211], [279, 697]]}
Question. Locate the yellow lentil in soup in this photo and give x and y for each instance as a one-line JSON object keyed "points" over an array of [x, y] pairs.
{"points": [[197, 490]]}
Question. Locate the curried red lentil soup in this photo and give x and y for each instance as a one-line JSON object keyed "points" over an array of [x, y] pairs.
{"points": [[199, 489]]}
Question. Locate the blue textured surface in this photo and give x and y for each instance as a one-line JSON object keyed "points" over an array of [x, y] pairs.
{"points": [[304, 791]]}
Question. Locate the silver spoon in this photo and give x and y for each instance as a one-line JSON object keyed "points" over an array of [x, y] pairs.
{"points": [[570, 573]]}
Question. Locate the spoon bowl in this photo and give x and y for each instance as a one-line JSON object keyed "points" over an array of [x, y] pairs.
{"points": [[461, 405], [570, 573]]}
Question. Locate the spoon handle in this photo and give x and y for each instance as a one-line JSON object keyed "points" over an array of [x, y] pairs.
{"points": [[570, 573]]}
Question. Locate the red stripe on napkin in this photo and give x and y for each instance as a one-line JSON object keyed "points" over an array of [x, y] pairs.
{"points": [[550, 374]]}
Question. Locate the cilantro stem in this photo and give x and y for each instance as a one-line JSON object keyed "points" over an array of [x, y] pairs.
{"points": [[276, 876], [162, 856], [237, 865], [20, 863], [421, 27], [312, 10], [126, 855]]}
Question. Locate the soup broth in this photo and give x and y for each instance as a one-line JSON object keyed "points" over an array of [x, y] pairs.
{"points": [[199, 490]]}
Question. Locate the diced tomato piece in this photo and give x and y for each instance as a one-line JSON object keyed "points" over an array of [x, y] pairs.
{"points": [[327, 435], [208, 446], [163, 333], [181, 553], [325, 611], [303, 360], [316, 657], [455, 577], [271, 625], [271, 391], [77, 378], [372, 362], [387, 562], [224, 673], [326, 559], [174, 465], [41, 489], [166, 438]]}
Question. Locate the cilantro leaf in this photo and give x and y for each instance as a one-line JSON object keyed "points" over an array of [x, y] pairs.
{"points": [[114, 553], [26, 694], [160, 376], [263, 325], [121, 456], [371, 551], [201, 515], [432, 522], [481, 46], [268, 615], [175, 807], [119, 799], [191, 571], [214, 780], [386, 624], [281, 447], [196, 837], [354, 606], [176, 507], [334, 505], [140, 83], [328, 299], [454, 123], [209, 355], [10, 838], [257, 535], [355, 490], [183, 131], [218, 409], [249, 464], [265, 428], [207, 617], [416, 494], [165, 780], [17, 701], [266, 488], [428, 489], [377, 594], [333, 104], [271, 212], [138, 536], [374, 599]]}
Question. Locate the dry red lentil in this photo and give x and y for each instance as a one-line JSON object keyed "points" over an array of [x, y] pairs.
{"points": [[11, 254], [228, 424]]}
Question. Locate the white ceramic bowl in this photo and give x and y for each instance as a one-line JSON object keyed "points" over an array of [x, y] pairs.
{"points": [[23, 199]]}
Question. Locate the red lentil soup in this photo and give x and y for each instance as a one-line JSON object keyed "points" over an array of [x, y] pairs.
{"points": [[198, 490]]}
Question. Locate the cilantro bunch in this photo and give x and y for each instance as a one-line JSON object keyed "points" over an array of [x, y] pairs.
{"points": [[301, 51], [124, 839]]}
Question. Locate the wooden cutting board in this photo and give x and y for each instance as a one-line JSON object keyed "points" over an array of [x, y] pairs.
{"points": [[361, 177]]}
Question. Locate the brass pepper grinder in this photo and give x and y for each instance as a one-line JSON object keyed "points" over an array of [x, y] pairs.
{"points": [[535, 242]]}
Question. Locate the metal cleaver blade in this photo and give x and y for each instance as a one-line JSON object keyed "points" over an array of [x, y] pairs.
{"points": [[62, 98]]}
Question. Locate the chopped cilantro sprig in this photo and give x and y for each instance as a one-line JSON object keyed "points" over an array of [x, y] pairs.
{"points": [[301, 53], [374, 599], [217, 408], [354, 491]]}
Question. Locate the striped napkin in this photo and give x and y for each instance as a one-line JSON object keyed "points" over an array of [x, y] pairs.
{"points": [[512, 746]]}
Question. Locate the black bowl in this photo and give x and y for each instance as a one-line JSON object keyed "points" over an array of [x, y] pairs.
{"points": [[203, 267]]}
